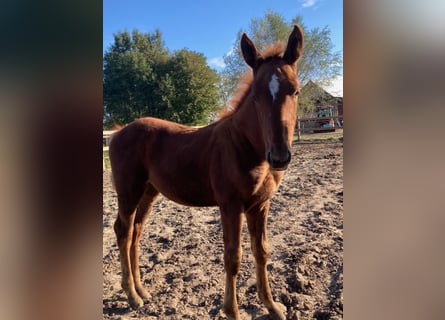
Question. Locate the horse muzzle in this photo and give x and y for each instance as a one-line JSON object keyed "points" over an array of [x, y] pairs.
{"points": [[278, 161]]}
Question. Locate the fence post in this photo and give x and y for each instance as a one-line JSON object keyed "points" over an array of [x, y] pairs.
{"points": [[298, 129], [106, 136]]}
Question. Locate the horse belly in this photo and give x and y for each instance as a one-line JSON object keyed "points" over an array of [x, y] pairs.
{"points": [[190, 198], [192, 201], [189, 193], [178, 169]]}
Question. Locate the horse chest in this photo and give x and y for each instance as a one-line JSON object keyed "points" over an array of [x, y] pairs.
{"points": [[262, 187]]}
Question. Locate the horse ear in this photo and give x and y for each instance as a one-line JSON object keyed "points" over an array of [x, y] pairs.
{"points": [[294, 47], [250, 53]]}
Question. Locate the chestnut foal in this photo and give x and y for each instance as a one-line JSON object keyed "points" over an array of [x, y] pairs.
{"points": [[236, 163]]}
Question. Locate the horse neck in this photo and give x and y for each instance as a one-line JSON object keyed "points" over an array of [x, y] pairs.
{"points": [[247, 127]]}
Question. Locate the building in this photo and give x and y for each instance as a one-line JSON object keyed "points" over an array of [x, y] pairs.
{"points": [[315, 95], [322, 112]]}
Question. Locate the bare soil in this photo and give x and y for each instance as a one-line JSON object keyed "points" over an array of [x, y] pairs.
{"points": [[182, 249]]}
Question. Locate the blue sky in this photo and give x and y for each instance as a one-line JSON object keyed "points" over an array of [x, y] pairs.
{"points": [[210, 27]]}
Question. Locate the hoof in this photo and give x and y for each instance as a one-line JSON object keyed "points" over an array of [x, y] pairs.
{"points": [[143, 294], [277, 311], [232, 315], [276, 316], [136, 302]]}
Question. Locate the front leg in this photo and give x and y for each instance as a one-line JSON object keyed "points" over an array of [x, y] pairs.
{"points": [[231, 218], [257, 223]]}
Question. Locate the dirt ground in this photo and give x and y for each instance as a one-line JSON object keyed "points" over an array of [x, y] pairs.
{"points": [[182, 249]]}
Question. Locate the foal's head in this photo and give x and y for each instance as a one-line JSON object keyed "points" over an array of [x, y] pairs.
{"points": [[275, 90]]}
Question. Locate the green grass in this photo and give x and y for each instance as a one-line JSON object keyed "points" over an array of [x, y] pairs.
{"points": [[106, 160], [321, 137]]}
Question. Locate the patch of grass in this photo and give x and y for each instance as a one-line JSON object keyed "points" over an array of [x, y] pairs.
{"points": [[106, 160], [321, 137]]}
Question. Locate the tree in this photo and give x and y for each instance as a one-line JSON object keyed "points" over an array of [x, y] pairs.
{"points": [[142, 78], [193, 93], [319, 63], [130, 76]]}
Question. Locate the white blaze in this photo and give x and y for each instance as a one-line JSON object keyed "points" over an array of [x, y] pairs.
{"points": [[274, 86]]}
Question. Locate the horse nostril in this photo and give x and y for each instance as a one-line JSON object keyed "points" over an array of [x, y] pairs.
{"points": [[280, 162], [289, 156], [269, 157]]}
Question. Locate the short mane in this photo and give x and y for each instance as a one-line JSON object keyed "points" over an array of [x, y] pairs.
{"points": [[245, 82]]}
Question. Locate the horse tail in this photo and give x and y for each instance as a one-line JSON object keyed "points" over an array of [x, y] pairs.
{"points": [[116, 128]]}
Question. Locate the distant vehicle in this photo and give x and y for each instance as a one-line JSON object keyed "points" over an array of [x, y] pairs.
{"points": [[326, 122]]}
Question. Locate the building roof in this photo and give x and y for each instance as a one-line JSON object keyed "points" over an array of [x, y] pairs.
{"points": [[318, 95], [313, 90]]}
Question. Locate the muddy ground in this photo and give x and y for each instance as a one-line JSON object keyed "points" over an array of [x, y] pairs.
{"points": [[182, 249]]}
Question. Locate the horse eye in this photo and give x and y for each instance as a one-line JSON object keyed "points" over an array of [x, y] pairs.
{"points": [[296, 93]]}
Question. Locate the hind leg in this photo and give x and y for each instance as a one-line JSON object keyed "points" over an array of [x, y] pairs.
{"points": [[129, 192], [143, 211], [123, 227]]}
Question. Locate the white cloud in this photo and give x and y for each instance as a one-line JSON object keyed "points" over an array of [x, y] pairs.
{"points": [[336, 87], [308, 3], [216, 62]]}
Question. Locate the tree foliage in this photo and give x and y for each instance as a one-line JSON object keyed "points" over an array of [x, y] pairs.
{"points": [[319, 63], [194, 85], [142, 78]]}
